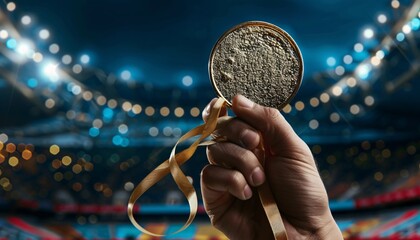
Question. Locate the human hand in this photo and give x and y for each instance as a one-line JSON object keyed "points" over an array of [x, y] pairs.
{"points": [[228, 183]]}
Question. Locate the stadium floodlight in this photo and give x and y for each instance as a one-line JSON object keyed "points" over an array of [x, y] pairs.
{"points": [[363, 71], [50, 71], [25, 48]]}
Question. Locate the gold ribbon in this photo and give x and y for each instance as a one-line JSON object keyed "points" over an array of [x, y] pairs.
{"points": [[172, 165]]}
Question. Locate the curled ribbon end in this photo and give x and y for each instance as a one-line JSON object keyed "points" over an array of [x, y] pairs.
{"points": [[172, 165]]}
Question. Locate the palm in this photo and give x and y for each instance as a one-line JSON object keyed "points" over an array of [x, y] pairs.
{"points": [[300, 194]]}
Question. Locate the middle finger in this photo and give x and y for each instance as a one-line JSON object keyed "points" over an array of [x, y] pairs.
{"points": [[237, 132], [230, 155]]}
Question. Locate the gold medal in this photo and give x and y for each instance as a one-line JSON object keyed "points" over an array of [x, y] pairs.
{"points": [[258, 60]]}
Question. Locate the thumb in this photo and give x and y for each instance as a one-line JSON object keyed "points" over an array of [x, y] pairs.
{"points": [[276, 131]]}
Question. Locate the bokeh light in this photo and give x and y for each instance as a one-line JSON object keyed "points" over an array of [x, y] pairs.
{"points": [[77, 68], [334, 117], [351, 82], [37, 57], [313, 124], [287, 108], [54, 149], [153, 131], [348, 59], [395, 3], [66, 59], [355, 109], [324, 97], [126, 75], [337, 91], [13, 161], [127, 106], [382, 18], [26, 154], [66, 160], [10, 148], [54, 48], [164, 111], [358, 47], [4, 34], [26, 20], [368, 33], [179, 112], [314, 102], [369, 101], [331, 61], [195, 112], [4, 138], [187, 81], [11, 6], [44, 34], [150, 111], [299, 105], [85, 59]]}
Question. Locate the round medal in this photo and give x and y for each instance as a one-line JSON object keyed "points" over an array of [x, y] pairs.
{"points": [[258, 60]]}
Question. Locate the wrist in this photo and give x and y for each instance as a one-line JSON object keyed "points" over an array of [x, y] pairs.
{"points": [[328, 231]]}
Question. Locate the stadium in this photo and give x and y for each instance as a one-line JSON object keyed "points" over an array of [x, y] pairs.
{"points": [[94, 95]]}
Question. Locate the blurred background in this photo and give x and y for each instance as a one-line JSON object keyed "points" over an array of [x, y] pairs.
{"points": [[94, 94]]}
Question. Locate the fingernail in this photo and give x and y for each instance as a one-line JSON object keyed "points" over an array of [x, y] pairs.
{"points": [[247, 192], [206, 111], [257, 176], [245, 102]]}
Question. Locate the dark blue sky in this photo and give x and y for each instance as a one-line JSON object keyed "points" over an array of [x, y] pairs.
{"points": [[165, 40]]}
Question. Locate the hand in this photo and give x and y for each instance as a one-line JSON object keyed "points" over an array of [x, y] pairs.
{"points": [[229, 182]]}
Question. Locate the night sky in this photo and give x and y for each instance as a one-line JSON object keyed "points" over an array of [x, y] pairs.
{"points": [[162, 41]]}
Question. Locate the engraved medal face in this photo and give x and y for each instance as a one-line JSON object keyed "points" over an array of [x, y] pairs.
{"points": [[258, 60]]}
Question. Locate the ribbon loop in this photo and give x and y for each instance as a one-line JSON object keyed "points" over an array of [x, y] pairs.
{"points": [[172, 165]]}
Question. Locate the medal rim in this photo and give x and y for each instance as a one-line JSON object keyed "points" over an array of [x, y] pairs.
{"points": [[265, 25]]}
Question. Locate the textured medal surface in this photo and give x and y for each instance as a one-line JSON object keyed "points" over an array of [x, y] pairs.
{"points": [[259, 61]]}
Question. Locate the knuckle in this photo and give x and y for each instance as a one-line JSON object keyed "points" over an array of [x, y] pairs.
{"points": [[235, 179], [246, 157], [272, 113]]}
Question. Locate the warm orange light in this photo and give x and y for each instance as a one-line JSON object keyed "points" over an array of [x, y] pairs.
{"points": [[10, 148], [26, 154]]}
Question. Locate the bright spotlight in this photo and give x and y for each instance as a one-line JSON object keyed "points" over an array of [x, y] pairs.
{"points": [[50, 70], [363, 71], [24, 48], [368, 33]]}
